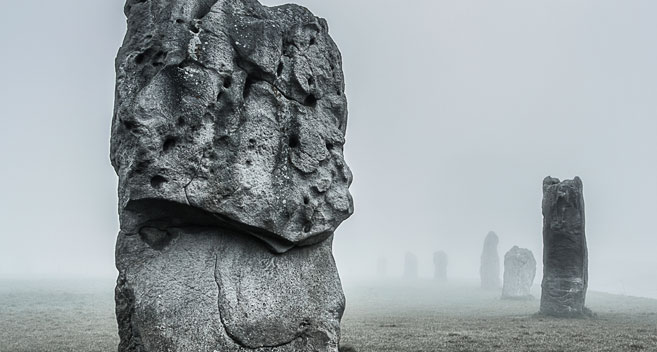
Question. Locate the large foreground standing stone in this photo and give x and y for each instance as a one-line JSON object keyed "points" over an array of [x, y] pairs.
{"points": [[519, 273], [227, 139], [440, 266], [490, 263], [565, 257]]}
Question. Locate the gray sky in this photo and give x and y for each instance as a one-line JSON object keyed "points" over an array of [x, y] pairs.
{"points": [[458, 109]]}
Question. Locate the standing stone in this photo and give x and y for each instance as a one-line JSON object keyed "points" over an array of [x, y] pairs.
{"points": [[382, 267], [565, 257], [410, 266], [490, 263], [519, 273], [227, 138], [440, 266]]}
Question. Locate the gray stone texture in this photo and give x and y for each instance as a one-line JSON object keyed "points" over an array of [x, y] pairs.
{"points": [[440, 266], [490, 263], [227, 138], [519, 273], [410, 266], [565, 256]]}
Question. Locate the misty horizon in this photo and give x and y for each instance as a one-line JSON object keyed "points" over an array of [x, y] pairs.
{"points": [[457, 111]]}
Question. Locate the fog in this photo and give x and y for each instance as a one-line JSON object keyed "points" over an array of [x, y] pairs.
{"points": [[457, 111]]}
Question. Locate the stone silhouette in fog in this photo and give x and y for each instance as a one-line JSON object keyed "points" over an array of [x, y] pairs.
{"points": [[519, 273], [440, 266], [565, 256], [410, 266], [490, 263], [227, 138], [381, 267]]}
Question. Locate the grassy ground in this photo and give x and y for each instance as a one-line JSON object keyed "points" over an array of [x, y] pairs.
{"points": [[392, 316], [423, 316]]}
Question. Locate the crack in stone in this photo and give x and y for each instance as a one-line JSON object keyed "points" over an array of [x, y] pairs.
{"points": [[234, 338]]}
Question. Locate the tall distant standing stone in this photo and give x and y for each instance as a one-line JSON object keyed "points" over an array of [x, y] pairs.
{"points": [[519, 273], [227, 138], [382, 267], [410, 266], [490, 263], [565, 256], [440, 266]]}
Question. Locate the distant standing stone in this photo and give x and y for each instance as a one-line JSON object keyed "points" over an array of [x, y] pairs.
{"points": [[565, 257], [490, 263], [410, 266], [382, 267], [440, 266], [519, 273]]}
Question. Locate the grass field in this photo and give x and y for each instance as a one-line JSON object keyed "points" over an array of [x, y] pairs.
{"points": [[392, 316]]}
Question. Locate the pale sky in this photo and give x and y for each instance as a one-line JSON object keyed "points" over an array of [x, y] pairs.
{"points": [[457, 111]]}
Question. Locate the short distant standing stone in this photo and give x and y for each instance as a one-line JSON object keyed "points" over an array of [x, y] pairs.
{"points": [[490, 263], [519, 273], [410, 266], [565, 257], [440, 266]]}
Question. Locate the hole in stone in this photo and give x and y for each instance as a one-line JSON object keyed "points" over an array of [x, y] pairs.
{"points": [[247, 86], [313, 41], [139, 59], [155, 238], [180, 20], [129, 125], [311, 81], [181, 121], [307, 226], [252, 140], [249, 163], [157, 181], [293, 141], [194, 29], [169, 143], [311, 100], [279, 70], [228, 81], [306, 200], [329, 145], [332, 67]]}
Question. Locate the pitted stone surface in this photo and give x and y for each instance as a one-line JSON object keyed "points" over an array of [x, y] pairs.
{"points": [[565, 255], [519, 273], [234, 108], [227, 138]]}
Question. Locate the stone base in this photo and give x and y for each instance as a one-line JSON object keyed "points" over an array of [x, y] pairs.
{"points": [[564, 297], [209, 289]]}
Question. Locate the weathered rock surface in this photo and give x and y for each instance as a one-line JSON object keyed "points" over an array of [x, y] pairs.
{"points": [[227, 138], [490, 263], [440, 266], [565, 256], [519, 273], [410, 266]]}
